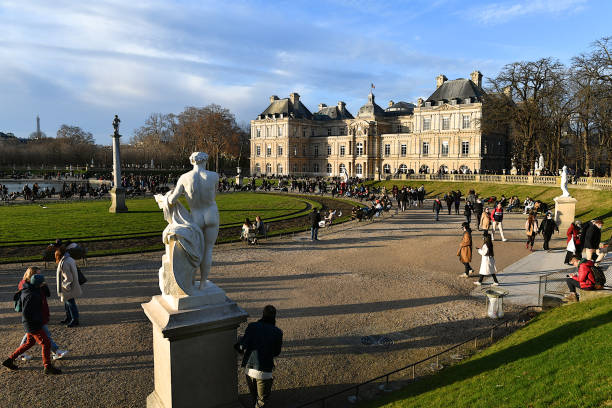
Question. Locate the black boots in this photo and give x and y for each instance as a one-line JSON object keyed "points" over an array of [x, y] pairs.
{"points": [[51, 370], [10, 364]]}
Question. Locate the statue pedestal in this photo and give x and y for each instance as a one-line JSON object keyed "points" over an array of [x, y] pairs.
{"points": [[239, 179], [565, 211], [194, 357], [117, 200]]}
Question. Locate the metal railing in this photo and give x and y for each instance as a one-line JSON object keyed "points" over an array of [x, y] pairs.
{"points": [[488, 334]]}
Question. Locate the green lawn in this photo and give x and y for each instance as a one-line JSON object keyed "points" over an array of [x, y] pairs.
{"points": [[561, 359], [91, 218], [591, 203]]}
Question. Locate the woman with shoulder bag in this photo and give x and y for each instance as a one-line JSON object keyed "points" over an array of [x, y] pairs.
{"points": [[68, 287]]}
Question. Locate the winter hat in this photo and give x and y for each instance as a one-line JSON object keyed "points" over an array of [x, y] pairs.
{"points": [[37, 279]]}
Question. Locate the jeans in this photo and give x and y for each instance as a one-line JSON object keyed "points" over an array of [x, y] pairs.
{"points": [[72, 312], [45, 328], [437, 215], [531, 239], [39, 337], [573, 284], [314, 232]]}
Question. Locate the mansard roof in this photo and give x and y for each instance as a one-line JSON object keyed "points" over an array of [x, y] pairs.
{"points": [[285, 108], [333, 113], [399, 108], [457, 89]]}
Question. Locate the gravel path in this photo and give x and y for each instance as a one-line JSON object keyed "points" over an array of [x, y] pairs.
{"points": [[396, 278]]}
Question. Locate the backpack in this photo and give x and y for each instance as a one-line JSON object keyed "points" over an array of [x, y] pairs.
{"points": [[598, 276], [17, 302]]}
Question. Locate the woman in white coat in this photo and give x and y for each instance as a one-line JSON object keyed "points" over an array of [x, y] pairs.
{"points": [[487, 264], [68, 288]]}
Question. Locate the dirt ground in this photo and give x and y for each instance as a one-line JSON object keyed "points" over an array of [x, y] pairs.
{"points": [[396, 277]]}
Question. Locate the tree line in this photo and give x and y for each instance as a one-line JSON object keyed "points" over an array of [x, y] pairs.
{"points": [[165, 139], [563, 112]]}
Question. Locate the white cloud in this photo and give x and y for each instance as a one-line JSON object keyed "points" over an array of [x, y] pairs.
{"points": [[503, 12]]}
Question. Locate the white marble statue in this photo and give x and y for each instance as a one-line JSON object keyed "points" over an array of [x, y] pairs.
{"points": [[190, 235], [536, 165], [344, 174], [564, 182], [541, 162]]}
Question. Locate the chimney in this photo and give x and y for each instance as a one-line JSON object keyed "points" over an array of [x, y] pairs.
{"points": [[440, 79], [294, 98], [322, 105], [341, 106], [476, 78], [391, 103], [273, 98]]}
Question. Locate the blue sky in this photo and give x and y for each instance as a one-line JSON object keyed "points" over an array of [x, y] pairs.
{"points": [[80, 62]]}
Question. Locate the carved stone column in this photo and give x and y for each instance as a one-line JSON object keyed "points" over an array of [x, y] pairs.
{"points": [[117, 192]]}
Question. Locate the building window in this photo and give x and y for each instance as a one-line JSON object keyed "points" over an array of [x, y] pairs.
{"points": [[329, 150], [315, 167], [316, 150], [342, 168], [329, 168], [426, 123], [399, 128], [329, 131], [279, 169], [403, 169], [387, 169], [403, 150], [295, 168], [312, 132], [304, 150], [280, 150], [258, 150], [465, 148], [294, 150], [445, 123], [304, 168], [342, 150], [269, 150], [342, 131], [425, 148], [466, 122], [257, 168], [280, 131], [387, 149], [258, 132], [359, 169], [304, 133], [444, 148], [359, 148], [268, 168]]}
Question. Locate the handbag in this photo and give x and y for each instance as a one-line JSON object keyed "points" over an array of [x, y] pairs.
{"points": [[82, 278], [571, 246]]}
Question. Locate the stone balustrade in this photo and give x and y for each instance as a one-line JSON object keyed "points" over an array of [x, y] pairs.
{"points": [[592, 183]]}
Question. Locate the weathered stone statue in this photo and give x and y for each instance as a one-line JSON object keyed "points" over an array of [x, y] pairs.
{"points": [[564, 182], [541, 162], [189, 236]]}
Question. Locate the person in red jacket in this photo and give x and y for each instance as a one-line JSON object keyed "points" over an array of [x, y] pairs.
{"points": [[584, 279], [574, 232]]}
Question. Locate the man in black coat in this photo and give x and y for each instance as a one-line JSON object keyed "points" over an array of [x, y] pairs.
{"points": [[478, 208], [592, 238], [262, 341], [437, 206], [315, 218], [547, 228]]}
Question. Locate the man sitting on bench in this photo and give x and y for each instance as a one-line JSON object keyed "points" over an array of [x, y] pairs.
{"points": [[584, 279]]}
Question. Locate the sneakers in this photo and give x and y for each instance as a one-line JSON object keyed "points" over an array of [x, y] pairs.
{"points": [[477, 283], [504, 239], [471, 272], [51, 370], [59, 354], [73, 323], [10, 364], [25, 357], [495, 284], [463, 275]]}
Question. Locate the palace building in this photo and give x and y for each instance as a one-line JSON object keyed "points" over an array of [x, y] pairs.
{"points": [[439, 134]]}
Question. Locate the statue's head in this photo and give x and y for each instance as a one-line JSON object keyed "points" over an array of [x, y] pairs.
{"points": [[198, 158]]}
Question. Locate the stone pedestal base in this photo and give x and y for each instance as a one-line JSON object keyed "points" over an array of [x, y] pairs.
{"points": [[118, 200], [239, 180], [565, 211], [195, 362]]}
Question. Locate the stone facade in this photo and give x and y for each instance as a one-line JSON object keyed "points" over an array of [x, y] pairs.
{"points": [[438, 134]]}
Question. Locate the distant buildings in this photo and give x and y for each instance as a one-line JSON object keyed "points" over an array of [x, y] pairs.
{"points": [[440, 134]]}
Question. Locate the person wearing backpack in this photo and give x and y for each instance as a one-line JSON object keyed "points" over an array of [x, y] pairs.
{"points": [[584, 279], [33, 322]]}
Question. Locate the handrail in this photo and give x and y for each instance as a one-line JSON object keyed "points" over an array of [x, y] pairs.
{"points": [[413, 365]]}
